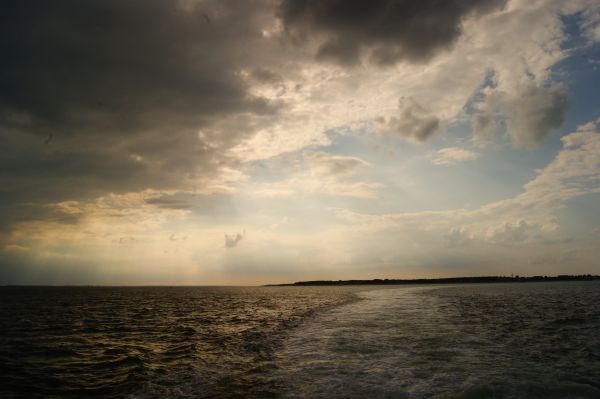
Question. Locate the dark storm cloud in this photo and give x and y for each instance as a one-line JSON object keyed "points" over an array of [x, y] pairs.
{"points": [[390, 30], [115, 66], [104, 96]]}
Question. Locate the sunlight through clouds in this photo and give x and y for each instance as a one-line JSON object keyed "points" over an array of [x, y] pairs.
{"points": [[283, 138]]}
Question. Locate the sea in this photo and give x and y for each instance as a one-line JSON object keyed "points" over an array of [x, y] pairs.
{"points": [[509, 340]]}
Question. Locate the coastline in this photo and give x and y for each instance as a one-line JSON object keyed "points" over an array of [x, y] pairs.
{"points": [[448, 280]]}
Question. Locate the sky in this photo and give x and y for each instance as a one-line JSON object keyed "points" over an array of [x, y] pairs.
{"points": [[270, 141]]}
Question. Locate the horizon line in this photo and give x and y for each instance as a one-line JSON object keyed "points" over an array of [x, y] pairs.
{"points": [[376, 281]]}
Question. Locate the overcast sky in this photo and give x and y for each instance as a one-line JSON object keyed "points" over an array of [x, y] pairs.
{"points": [[250, 142]]}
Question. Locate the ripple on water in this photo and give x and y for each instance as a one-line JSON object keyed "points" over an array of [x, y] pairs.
{"points": [[492, 341], [148, 342]]}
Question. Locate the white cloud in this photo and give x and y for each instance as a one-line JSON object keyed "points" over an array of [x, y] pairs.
{"points": [[517, 232], [529, 216], [322, 163], [591, 24], [451, 155], [321, 173], [517, 47]]}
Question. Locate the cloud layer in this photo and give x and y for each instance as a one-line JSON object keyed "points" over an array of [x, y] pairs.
{"points": [[383, 31], [137, 134]]}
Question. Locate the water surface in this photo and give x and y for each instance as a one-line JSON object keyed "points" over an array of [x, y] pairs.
{"points": [[153, 342], [534, 340]]}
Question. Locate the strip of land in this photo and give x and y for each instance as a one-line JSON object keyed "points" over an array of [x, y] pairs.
{"points": [[448, 280]]}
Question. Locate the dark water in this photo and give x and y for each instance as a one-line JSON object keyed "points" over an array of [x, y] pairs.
{"points": [[535, 340], [470, 341], [148, 342]]}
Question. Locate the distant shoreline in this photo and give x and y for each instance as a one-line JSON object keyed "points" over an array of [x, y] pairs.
{"points": [[449, 280]]}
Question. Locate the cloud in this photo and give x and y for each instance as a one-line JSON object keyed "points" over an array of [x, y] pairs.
{"points": [[267, 76], [160, 118], [512, 233], [452, 155], [71, 228], [531, 113], [232, 241], [529, 216], [123, 89], [113, 66], [591, 23], [444, 241], [535, 113], [218, 205], [129, 110], [500, 236], [385, 31], [457, 237], [483, 126], [572, 173], [172, 201], [322, 163], [414, 122], [322, 173]]}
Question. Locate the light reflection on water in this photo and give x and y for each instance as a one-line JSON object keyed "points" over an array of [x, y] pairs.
{"points": [[154, 342]]}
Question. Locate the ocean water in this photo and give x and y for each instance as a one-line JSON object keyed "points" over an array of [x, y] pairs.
{"points": [[533, 340], [156, 342]]}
